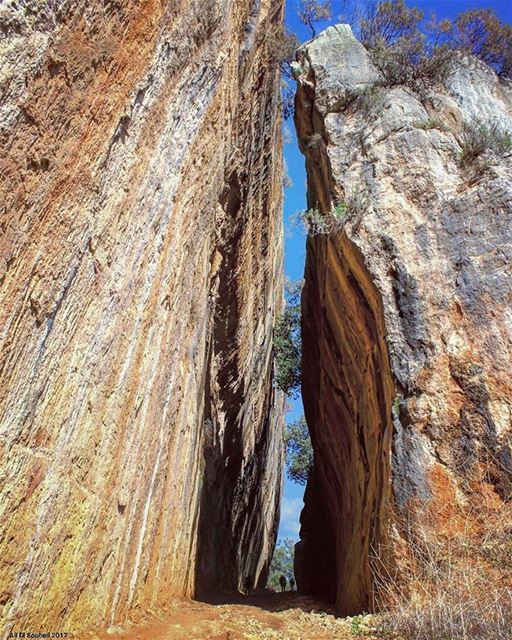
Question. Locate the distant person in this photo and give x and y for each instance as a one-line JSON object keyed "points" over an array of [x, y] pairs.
{"points": [[292, 584], [282, 582]]}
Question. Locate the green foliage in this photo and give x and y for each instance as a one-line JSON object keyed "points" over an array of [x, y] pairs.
{"points": [[340, 210], [299, 451], [287, 343], [298, 71], [333, 221], [282, 563], [479, 137], [357, 626], [312, 11], [319, 223], [397, 403]]}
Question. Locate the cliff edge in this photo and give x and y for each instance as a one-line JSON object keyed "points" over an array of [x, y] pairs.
{"points": [[407, 333]]}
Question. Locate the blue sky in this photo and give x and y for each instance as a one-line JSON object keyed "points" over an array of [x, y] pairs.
{"points": [[295, 200]]}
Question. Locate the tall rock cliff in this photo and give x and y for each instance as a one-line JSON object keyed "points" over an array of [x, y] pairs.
{"points": [[140, 262], [407, 332]]}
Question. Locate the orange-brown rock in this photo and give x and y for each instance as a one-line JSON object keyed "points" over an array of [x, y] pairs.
{"points": [[140, 261], [407, 332]]}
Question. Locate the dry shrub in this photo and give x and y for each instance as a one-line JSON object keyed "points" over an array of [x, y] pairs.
{"points": [[405, 52], [282, 47], [430, 123], [385, 23], [357, 202], [479, 137], [370, 100], [312, 11], [455, 585], [416, 53], [481, 33], [412, 63]]}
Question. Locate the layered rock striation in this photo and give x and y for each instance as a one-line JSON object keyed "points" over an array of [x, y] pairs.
{"points": [[407, 331], [140, 271]]}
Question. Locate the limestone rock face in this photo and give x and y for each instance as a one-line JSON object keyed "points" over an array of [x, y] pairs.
{"points": [[407, 325], [140, 262]]}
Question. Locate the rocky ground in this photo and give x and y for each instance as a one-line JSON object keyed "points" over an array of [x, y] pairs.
{"points": [[266, 616]]}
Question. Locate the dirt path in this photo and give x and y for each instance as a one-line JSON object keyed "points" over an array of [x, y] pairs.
{"points": [[267, 616]]}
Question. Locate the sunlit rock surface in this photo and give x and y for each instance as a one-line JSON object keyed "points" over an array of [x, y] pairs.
{"points": [[406, 315], [140, 271]]}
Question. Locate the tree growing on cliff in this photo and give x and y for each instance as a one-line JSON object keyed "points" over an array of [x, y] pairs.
{"points": [[406, 52], [411, 51], [385, 23], [299, 451], [312, 11], [282, 47], [481, 33], [287, 342]]}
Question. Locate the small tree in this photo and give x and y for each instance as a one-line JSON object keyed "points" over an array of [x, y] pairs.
{"points": [[282, 47], [481, 33], [312, 11], [299, 451], [384, 23], [410, 51], [404, 53]]}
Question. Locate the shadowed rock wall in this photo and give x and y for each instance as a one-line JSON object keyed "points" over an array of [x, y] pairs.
{"points": [[140, 271], [406, 313]]}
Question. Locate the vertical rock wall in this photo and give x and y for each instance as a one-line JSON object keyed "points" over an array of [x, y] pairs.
{"points": [[140, 271], [406, 312]]}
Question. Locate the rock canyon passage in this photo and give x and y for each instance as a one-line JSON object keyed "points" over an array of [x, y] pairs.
{"points": [[142, 423]]}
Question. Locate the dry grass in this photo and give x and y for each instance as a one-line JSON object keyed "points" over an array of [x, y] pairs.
{"points": [[455, 586], [479, 137], [370, 100]]}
